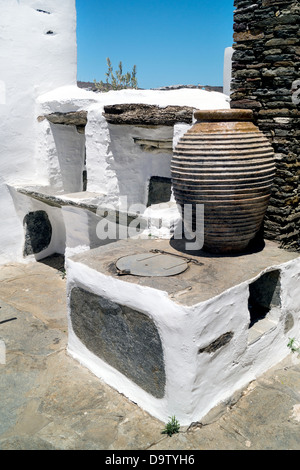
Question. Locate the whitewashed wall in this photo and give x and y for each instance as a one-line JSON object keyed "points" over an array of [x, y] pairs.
{"points": [[32, 62]]}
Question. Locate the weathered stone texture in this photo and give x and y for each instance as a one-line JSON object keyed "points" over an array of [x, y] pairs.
{"points": [[126, 339], [146, 114], [160, 190], [38, 232], [73, 118], [217, 344], [266, 79]]}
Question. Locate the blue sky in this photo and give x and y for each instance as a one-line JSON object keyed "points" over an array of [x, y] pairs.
{"points": [[170, 42]]}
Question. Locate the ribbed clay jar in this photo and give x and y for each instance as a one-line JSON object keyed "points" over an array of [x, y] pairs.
{"points": [[226, 163]]}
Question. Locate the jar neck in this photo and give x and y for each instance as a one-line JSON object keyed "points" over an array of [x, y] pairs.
{"points": [[224, 115]]}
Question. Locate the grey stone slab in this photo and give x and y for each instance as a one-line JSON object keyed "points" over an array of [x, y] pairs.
{"points": [[160, 190], [38, 232], [259, 328], [145, 114], [126, 339]]}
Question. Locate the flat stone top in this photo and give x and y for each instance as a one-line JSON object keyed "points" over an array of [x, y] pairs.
{"points": [[207, 276]]}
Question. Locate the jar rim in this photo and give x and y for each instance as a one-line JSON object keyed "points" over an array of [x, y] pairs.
{"points": [[223, 115]]}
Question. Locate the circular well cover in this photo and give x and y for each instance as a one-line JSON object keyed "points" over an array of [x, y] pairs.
{"points": [[152, 264]]}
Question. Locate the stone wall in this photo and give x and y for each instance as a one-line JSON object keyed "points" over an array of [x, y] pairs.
{"points": [[266, 79]]}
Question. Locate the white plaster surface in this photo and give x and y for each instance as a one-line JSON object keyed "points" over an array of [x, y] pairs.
{"points": [[23, 205], [31, 63]]}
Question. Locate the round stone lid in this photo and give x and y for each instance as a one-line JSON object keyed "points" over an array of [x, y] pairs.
{"points": [[151, 264]]}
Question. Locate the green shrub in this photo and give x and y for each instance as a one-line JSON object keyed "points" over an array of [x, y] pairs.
{"points": [[117, 81], [172, 427], [293, 346]]}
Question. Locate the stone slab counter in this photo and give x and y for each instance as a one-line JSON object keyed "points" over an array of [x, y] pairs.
{"points": [[207, 276]]}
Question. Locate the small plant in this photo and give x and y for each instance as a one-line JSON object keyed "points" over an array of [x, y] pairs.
{"points": [[62, 273], [117, 81], [293, 347], [172, 426]]}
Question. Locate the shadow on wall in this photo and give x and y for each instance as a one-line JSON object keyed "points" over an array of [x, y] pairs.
{"points": [[264, 294], [71, 155], [138, 168]]}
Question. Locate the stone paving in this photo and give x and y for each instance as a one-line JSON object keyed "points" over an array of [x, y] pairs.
{"points": [[50, 402]]}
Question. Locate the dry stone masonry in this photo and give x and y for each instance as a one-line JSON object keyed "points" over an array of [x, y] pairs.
{"points": [[266, 79]]}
